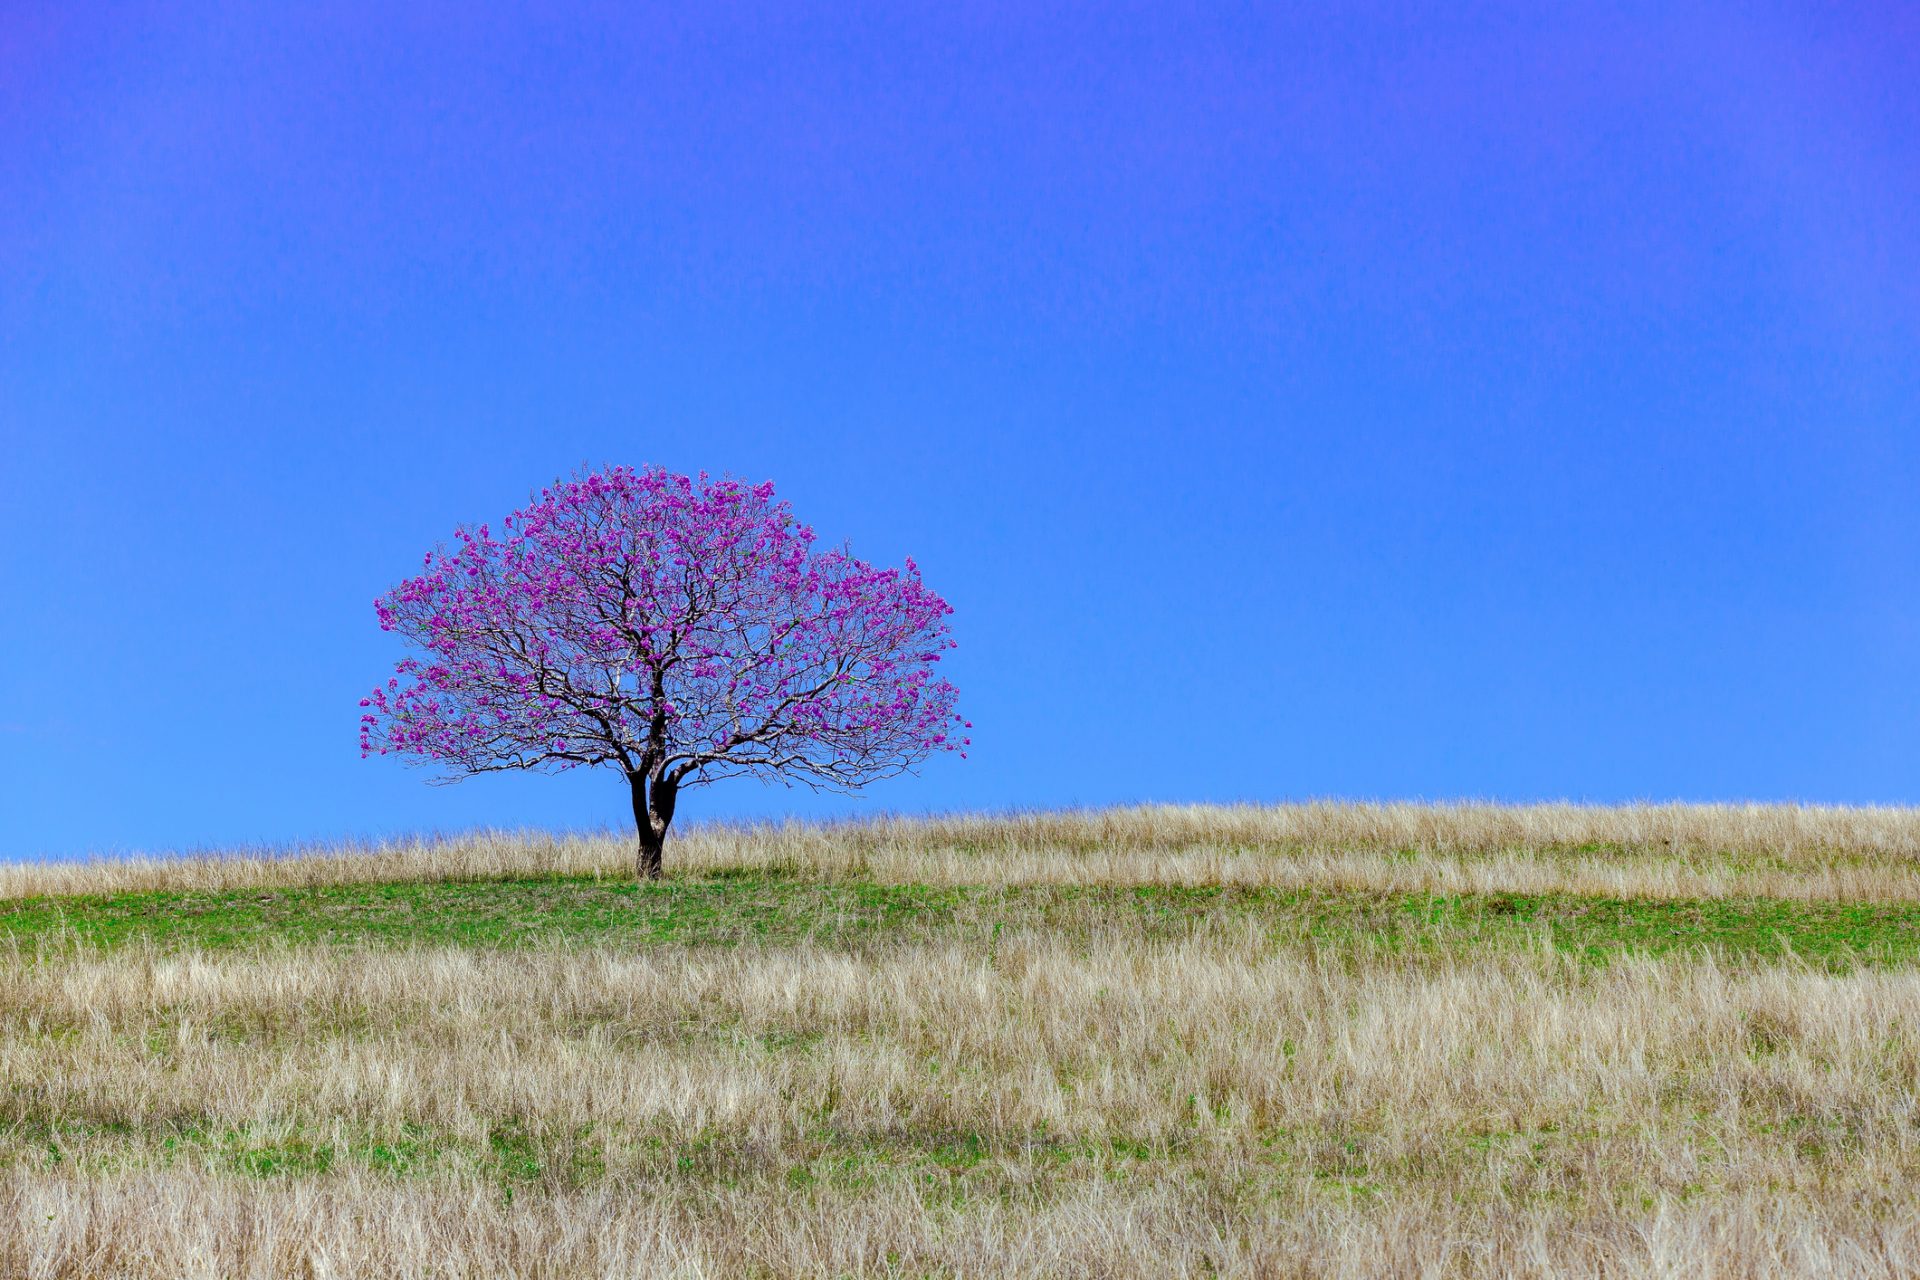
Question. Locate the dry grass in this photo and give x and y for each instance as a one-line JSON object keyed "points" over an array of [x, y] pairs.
{"points": [[1657, 851], [979, 1103]]}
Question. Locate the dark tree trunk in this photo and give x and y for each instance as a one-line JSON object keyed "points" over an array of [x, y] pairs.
{"points": [[653, 799]]}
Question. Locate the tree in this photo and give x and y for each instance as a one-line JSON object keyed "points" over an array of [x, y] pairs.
{"points": [[680, 630]]}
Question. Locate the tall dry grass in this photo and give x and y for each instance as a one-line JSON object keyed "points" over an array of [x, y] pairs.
{"points": [[1667, 851], [1010, 1107], [981, 1103]]}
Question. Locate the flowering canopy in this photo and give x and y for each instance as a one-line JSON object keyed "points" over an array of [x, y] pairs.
{"points": [[682, 630]]}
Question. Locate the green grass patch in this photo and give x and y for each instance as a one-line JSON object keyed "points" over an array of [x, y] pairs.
{"points": [[778, 909]]}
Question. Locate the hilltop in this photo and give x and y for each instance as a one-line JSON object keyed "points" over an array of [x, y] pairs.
{"points": [[1321, 1039]]}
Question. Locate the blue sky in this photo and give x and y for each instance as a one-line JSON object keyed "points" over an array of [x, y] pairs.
{"points": [[1501, 401]]}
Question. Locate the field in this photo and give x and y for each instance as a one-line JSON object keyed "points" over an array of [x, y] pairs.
{"points": [[1338, 1040]]}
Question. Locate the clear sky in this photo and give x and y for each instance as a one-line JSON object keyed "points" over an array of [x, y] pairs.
{"points": [[1415, 401]]}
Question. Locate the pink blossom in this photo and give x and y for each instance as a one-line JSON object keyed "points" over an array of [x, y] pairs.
{"points": [[681, 630]]}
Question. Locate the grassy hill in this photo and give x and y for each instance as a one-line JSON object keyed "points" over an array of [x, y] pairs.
{"points": [[1329, 1039]]}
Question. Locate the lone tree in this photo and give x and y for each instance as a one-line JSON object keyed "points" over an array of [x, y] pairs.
{"points": [[680, 630]]}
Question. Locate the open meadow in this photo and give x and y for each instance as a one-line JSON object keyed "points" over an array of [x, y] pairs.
{"points": [[1338, 1039]]}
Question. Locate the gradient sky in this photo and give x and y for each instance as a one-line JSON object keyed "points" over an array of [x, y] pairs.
{"points": [[1499, 401]]}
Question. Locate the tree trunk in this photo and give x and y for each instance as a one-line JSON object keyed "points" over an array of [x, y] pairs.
{"points": [[653, 799]]}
